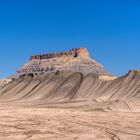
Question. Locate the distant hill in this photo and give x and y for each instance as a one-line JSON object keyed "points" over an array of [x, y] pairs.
{"points": [[74, 60]]}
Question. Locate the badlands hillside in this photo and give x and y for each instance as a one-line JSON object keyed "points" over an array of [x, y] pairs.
{"points": [[74, 78], [69, 96]]}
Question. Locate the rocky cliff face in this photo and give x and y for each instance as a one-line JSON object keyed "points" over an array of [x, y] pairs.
{"points": [[74, 60]]}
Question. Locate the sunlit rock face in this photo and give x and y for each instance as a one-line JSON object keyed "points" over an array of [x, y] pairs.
{"points": [[74, 60]]}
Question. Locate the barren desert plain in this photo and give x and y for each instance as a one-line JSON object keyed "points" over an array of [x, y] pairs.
{"points": [[30, 123]]}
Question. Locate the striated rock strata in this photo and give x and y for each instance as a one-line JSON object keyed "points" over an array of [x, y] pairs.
{"points": [[75, 60]]}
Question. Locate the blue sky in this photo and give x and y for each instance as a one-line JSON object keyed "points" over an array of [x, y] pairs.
{"points": [[109, 29]]}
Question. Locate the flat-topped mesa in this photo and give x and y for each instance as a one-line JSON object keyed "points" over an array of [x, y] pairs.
{"points": [[75, 52], [75, 60]]}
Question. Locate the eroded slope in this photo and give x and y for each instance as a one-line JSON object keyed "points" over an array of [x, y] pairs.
{"points": [[66, 89]]}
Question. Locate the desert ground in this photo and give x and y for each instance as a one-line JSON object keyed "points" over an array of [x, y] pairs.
{"points": [[30, 123]]}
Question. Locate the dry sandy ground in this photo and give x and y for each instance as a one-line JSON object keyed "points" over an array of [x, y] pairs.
{"points": [[20, 123]]}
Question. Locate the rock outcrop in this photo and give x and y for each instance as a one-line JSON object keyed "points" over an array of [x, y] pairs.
{"points": [[75, 60]]}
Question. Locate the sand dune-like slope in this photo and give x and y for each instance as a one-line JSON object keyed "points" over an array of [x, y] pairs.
{"points": [[4, 82], [65, 89]]}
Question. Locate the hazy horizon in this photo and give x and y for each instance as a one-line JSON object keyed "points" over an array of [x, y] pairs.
{"points": [[110, 30]]}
